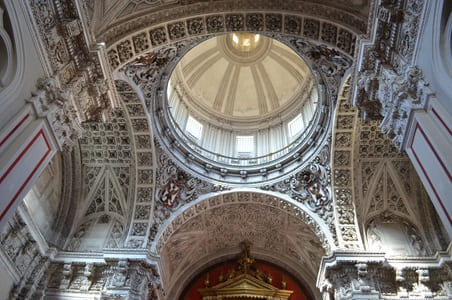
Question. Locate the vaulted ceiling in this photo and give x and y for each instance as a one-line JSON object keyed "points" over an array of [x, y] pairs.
{"points": [[105, 15]]}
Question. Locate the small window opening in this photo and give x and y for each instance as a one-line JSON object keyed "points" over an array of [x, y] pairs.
{"points": [[295, 126], [194, 128], [245, 144]]}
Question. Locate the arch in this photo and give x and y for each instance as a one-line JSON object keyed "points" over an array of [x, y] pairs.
{"points": [[395, 235], [344, 136], [11, 79], [292, 267], [7, 54], [141, 135], [183, 228], [136, 43], [271, 199]]}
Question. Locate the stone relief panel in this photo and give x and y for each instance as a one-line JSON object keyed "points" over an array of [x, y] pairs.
{"points": [[395, 236], [312, 187], [20, 254], [113, 279], [174, 188], [347, 277], [53, 103]]}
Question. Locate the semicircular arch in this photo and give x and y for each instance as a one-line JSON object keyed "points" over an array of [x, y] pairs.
{"points": [[133, 44], [212, 227]]}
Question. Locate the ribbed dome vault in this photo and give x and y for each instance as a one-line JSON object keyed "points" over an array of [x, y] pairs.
{"points": [[241, 76]]}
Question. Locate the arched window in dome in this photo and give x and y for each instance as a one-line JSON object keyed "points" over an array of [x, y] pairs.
{"points": [[245, 145], [194, 128], [295, 126]]}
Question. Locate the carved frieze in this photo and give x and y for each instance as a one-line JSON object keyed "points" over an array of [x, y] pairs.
{"points": [[372, 276]]}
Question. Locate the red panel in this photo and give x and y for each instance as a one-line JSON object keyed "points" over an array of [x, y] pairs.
{"points": [[14, 129], [442, 121], [40, 133], [191, 293], [418, 127]]}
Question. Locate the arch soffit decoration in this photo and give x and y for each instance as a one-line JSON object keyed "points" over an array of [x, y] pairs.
{"points": [[264, 202], [344, 135], [144, 168], [211, 203], [109, 20], [128, 162], [371, 179], [271, 199], [135, 43]]}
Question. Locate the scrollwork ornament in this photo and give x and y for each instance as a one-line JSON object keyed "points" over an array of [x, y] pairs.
{"points": [[310, 186]]}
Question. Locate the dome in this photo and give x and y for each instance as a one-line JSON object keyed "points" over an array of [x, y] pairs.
{"points": [[243, 105], [241, 76]]}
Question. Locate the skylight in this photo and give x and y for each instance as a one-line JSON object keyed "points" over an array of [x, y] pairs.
{"points": [[296, 125], [194, 127]]}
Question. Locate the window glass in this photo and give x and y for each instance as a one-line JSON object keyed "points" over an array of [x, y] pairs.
{"points": [[193, 127], [245, 143], [296, 125]]}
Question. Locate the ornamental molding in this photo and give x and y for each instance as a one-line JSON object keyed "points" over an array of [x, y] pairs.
{"points": [[348, 275], [77, 65], [55, 104], [140, 42], [342, 172], [150, 73], [388, 86], [176, 16], [42, 271], [245, 196]]}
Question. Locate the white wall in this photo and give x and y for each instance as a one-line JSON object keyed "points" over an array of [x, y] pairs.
{"points": [[435, 56], [28, 65], [6, 283]]}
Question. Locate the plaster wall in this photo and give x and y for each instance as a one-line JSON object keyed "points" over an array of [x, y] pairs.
{"points": [[434, 56], [28, 66], [6, 282]]}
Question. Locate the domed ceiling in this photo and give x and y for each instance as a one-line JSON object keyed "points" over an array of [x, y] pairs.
{"points": [[240, 76]]}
